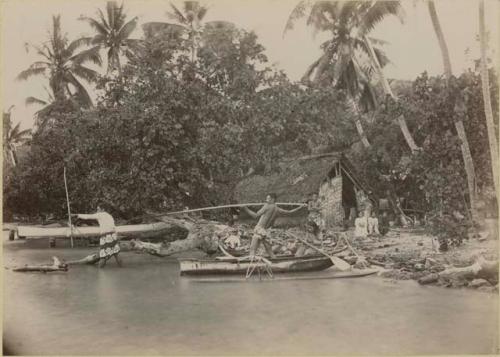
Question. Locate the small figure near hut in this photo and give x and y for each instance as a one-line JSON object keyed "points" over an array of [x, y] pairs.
{"points": [[315, 218], [361, 226], [267, 215], [108, 243], [373, 224]]}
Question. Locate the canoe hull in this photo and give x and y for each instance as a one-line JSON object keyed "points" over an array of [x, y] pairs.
{"points": [[33, 232], [235, 267], [328, 274]]}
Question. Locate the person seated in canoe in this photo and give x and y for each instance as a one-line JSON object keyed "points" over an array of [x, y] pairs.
{"points": [[108, 243], [266, 215]]}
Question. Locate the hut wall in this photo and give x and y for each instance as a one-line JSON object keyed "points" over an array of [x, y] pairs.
{"points": [[331, 193]]}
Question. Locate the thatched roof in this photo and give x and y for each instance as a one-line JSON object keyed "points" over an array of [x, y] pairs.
{"points": [[295, 181]]}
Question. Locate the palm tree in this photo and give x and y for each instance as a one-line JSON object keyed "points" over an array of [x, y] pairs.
{"points": [[113, 31], [63, 65], [485, 83], [12, 137], [188, 23], [350, 23], [460, 109]]}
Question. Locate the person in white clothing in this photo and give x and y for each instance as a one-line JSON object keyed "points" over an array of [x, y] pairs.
{"points": [[373, 224], [361, 226], [108, 243]]}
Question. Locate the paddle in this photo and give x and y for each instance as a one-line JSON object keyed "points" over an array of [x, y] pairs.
{"points": [[339, 263]]}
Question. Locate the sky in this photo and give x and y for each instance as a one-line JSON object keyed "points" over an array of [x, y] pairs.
{"points": [[412, 48]]}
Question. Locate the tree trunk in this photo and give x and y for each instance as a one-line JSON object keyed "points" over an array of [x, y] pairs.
{"points": [[357, 122], [485, 82], [388, 91], [459, 125], [469, 167], [440, 36]]}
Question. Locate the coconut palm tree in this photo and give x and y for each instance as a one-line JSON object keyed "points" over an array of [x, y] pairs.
{"points": [[460, 109], [12, 137], [112, 33], [485, 83], [64, 66], [188, 22], [350, 23]]}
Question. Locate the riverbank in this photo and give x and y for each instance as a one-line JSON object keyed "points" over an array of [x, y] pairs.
{"points": [[402, 254], [147, 308], [411, 254]]}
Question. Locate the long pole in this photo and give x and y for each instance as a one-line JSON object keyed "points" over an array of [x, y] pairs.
{"points": [[228, 206], [69, 209]]}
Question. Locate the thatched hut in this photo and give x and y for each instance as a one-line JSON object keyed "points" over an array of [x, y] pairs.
{"points": [[330, 175]]}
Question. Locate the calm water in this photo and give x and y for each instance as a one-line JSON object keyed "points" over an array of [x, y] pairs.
{"points": [[146, 308]]}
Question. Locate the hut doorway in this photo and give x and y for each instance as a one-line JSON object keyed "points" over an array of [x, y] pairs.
{"points": [[349, 202]]}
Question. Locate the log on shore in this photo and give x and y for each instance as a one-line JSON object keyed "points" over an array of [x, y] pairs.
{"points": [[89, 259], [481, 269], [57, 265]]}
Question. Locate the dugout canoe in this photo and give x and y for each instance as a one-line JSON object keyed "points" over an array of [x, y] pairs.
{"points": [[236, 266], [33, 232], [328, 274]]}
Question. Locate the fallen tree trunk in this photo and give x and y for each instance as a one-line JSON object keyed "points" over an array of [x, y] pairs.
{"points": [[56, 266], [480, 269], [89, 259]]}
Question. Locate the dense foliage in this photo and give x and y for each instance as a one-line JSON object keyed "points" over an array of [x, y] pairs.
{"points": [[193, 112], [166, 133]]}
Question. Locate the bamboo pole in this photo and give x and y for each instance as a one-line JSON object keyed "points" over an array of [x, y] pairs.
{"points": [[69, 209], [229, 206]]}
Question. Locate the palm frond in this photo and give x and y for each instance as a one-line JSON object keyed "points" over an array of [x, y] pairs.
{"points": [[33, 100], [101, 28], [103, 22], [86, 73], [90, 55], [310, 70], [298, 12], [176, 15], [119, 17], [74, 45], [111, 11], [382, 58], [81, 94], [30, 72], [127, 29], [377, 12], [202, 11], [99, 39], [378, 41]]}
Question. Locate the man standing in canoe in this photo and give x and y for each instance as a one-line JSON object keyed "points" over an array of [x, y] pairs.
{"points": [[108, 243], [267, 215]]}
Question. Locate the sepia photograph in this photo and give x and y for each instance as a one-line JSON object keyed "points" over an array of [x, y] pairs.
{"points": [[250, 177]]}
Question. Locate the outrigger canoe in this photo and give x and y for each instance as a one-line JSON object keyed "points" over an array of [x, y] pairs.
{"points": [[237, 266], [331, 273]]}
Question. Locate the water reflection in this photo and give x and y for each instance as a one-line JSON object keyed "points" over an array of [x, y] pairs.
{"points": [[146, 308]]}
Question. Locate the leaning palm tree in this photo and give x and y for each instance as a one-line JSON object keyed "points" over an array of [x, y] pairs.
{"points": [[351, 22], [343, 63], [12, 137], [485, 83], [460, 110], [112, 33], [64, 66]]}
